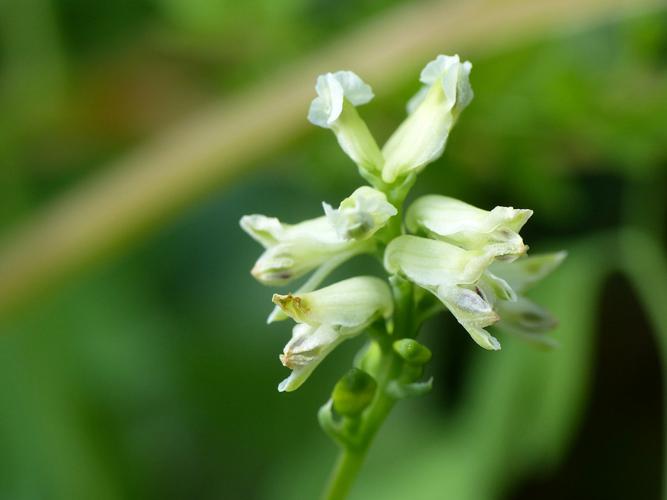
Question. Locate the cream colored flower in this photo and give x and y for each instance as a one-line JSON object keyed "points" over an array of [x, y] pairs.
{"points": [[452, 274], [469, 227], [334, 108], [327, 317], [421, 138]]}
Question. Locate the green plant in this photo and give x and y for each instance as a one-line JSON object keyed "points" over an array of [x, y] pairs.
{"points": [[440, 254]]}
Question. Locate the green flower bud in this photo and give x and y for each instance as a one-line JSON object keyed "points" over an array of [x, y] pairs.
{"points": [[412, 351], [353, 393]]}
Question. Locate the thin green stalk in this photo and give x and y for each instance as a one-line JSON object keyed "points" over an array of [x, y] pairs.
{"points": [[351, 457], [344, 473]]}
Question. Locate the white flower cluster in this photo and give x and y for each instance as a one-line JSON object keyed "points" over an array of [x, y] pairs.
{"points": [[471, 259]]}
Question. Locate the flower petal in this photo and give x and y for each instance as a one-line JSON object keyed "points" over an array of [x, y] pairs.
{"points": [[360, 215], [431, 263], [305, 351], [334, 107], [421, 138], [349, 305], [467, 226]]}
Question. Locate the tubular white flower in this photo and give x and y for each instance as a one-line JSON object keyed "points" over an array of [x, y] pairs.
{"points": [[294, 250], [326, 318], [469, 227], [361, 214], [452, 274], [334, 108], [421, 138]]}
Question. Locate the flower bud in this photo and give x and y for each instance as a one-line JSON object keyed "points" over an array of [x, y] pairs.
{"points": [[361, 214], [421, 138], [412, 351], [334, 108], [469, 227], [353, 393]]}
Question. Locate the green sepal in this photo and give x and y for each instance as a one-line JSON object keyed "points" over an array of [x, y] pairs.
{"points": [[412, 351], [334, 429], [400, 390]]}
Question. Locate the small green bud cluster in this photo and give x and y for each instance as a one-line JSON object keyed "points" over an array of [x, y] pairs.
{"points": [[472, 260]]}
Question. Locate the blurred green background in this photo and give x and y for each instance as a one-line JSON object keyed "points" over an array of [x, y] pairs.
{"points": [[142, 368]]}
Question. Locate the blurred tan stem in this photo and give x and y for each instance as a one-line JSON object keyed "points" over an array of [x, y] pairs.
{"points": [[180, 165]]}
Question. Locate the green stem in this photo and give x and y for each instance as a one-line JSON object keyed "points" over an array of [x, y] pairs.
{"points": [[344, 473], [351, 457]]}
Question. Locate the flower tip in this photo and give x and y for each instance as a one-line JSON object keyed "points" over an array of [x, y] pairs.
{"points": [[290, 384], [292, 305], [283, 386], [276, 315], [522, 216], [559, 257], [281, 300]]}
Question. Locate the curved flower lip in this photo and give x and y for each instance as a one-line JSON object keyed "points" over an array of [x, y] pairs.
{"points": [[332, 91], [334, 108], [360, 215], [465, 225], [453, 75], [306, 349]]}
